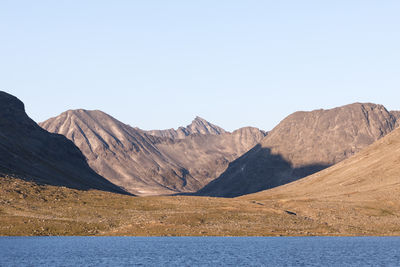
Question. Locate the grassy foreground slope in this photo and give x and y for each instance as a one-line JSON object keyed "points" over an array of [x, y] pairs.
{"points": [[30, 209]]}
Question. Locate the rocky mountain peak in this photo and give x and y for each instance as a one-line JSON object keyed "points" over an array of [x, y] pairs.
{"points": [[201, 126], [198, 126]]}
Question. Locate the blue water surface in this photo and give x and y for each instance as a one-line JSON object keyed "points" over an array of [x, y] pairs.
{"points": [[199, 251]]}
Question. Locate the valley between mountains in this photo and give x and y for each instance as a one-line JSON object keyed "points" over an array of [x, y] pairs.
{"points": [[322, 172]]}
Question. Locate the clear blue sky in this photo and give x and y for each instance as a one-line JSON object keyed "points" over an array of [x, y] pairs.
{"points": [[157, 64]]}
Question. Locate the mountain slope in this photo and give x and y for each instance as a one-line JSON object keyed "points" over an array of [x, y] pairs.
{"points": [[302, 144], [360, 195], [149, 165], [372, 174], [124, 155], [27, 151]]}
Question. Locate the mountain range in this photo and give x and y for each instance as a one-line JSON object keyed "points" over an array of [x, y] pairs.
{"points": [[201, 158], [153, 162], [324, 172], [204, 159]]}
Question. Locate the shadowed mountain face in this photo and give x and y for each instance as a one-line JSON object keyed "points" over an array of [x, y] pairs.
{"points": [[145, 164], [29, 152], [302, 144], [259, 162], [198, 126]]}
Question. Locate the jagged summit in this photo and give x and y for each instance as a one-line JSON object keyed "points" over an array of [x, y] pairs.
{"points": [[198, 126], [201, 126]]}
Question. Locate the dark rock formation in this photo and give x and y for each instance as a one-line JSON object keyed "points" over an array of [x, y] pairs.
{"points": [[29, 152]]}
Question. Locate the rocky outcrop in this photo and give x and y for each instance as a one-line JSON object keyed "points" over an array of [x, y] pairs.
{"points": [[29, 152]]}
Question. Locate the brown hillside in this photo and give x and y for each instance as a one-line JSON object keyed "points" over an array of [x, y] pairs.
{"points": [[373, 174], [360, 194], [302, 144]]}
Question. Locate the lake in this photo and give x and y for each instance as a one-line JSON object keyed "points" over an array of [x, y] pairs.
{"points": [[199, 251]]}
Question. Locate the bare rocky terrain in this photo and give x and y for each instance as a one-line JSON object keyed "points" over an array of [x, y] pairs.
{"points": [[302, 144], [29, 152], [153, 162]]}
